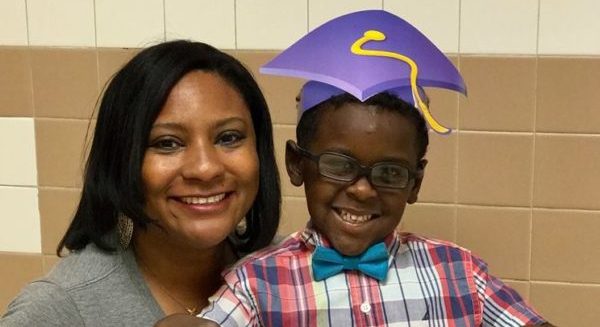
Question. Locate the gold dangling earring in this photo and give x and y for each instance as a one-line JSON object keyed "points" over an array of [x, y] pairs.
{"points": [[125, 228]]}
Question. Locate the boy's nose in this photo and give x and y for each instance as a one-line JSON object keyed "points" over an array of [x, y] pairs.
{"points": [[202, 163], [361, 189]]}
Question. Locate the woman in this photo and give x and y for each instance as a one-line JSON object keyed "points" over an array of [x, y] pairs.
{"points": [[180, 180]]}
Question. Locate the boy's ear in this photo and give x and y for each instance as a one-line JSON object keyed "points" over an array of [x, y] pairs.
{"points": [[293, 162], [419, 174]]}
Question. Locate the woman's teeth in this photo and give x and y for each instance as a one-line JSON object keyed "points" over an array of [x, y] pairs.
{"points": [[201, 200], [354, 219]]}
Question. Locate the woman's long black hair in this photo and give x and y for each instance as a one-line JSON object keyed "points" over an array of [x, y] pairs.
{"points": [[132, 101]]}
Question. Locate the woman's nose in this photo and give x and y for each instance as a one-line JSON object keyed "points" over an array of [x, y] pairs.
{"points": [[361, 189], [202, 163]]}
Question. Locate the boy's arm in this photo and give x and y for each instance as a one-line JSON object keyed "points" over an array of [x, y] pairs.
{"points": [[500, 302], [184, 320]]}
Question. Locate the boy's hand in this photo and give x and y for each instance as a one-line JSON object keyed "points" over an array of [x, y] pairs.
{"points": [[184, 320]]}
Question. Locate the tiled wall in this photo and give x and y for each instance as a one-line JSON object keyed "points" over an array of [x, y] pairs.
{"points": [[518, 182]]}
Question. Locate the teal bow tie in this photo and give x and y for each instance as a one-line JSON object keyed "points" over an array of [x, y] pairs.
{"points": [[327, 262]]}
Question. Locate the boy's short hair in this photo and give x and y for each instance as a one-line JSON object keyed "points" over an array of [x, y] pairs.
{"points": [[309, 121]]}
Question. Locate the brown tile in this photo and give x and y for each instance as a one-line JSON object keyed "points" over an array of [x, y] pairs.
{"points": [[439, 184], [294, 215], [568, 95], [17, 270], [566, 304], [500, 236], [495, 169], [566, 173], [110, 60], [16, 90], [65, 82], [59, 150], [48, 262], [281, 134], [565, 246], [280, 92], [431, 220], [501, 93], [522, 287], [57, 206]]}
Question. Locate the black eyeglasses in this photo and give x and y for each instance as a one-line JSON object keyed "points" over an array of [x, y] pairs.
{"points": [[343, 168]]}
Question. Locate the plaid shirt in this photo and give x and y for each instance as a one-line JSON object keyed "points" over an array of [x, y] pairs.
{"points": [[429, 283]]}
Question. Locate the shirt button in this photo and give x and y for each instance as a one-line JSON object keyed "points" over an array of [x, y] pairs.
{"points": [[365, 307]]}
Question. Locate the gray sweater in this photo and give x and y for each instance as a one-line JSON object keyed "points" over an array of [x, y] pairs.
{"points": [[87, 288]]}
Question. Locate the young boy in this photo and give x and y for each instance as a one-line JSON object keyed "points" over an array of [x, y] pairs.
{"points": [[361, 161]]}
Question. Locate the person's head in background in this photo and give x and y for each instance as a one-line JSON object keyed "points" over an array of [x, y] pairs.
{"points": [[352, 206], [183, 133]]}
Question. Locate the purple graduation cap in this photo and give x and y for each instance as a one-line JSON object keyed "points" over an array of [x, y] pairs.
{"points": [[366, 53]]}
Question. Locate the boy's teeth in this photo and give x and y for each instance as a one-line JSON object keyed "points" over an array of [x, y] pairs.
{"points": [[355, 219], [201, 200]]}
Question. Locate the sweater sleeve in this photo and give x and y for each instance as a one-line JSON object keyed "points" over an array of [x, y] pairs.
{"points": [[42, 303]]}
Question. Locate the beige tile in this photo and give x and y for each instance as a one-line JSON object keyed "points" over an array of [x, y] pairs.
{"points": [[57, 206], [321, 11], [495, 169], [19, 220], [438, 20], [480, 19], [499, 236], [565, 246], [123, 24], [210, 21], [65, 82], [430, 220], [439, 183], [16, 90], [501, 93], [18, 167], [282, 133], [110, 61], [48, 262], [270, 24], [566, 172], [13, 15], [17, 270], [60, 145], [560, 21], [61, 23], [294, 215], [280, 92], [568, 94], [522, 287], [565, 304]]}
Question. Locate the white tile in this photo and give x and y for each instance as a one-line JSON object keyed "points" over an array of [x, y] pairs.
{"points": [[17, 141], [208, 21], [569, 27], [19, 220], [437, 19], [61, 23], [499, 26], [321, 11], [13, 22], [270, 24], [129, 23]]}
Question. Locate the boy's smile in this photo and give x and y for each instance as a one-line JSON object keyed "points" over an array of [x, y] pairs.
{"points": [[355, 215]]}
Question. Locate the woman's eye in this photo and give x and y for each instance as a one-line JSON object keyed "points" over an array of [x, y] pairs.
{"points": [[230, 138], [167, 145]]}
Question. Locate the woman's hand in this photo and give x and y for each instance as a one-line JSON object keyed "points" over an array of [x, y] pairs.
{"points": [[184, 320]]}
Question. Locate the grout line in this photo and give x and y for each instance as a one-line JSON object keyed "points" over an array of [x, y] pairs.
{"points": [[235, 25], [164, 21], [539, 15], [553, 282], [27, 21], [95, 27], [19, 186]]}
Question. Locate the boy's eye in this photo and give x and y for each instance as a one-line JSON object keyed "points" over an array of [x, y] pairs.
{"points": [[167, 145], [230, 138]]}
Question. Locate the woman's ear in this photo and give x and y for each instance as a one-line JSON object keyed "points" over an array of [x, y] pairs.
{"points": [[419, 174], [293, 163]]}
